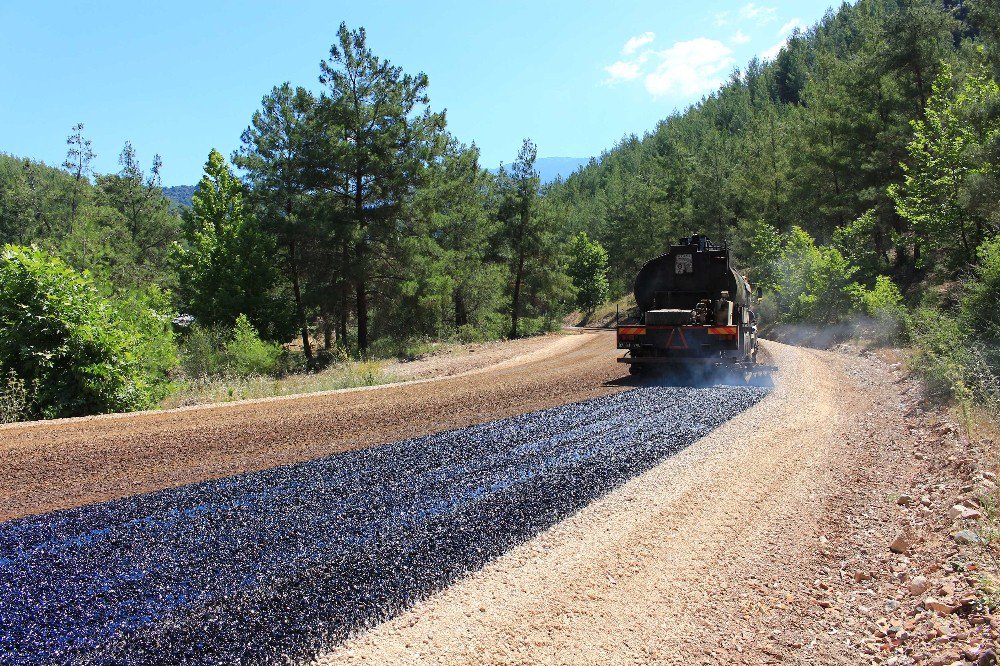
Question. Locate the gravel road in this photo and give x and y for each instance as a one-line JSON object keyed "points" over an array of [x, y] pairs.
{"points": [[61, 464], [725, 553], [744, 547], [279, 563]]}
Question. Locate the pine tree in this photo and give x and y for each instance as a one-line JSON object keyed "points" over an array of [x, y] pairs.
{"points": [[380, 137], [272, 156]]}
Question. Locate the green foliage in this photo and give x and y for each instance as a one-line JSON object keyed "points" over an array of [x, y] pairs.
{"points": [[13, 399], [959, 355], [984, 15], [201, 351], [452, 280], [144, 227], [980, 307], [941, 353], [944, 158], [76, 353], [760, 249], [217, 351], [247, 355], [856, 241], [530, 240], [883, 298], [814, 283], [227, 266], [381, 136], [147, 312], [588, 268], [120, 231], [884, 305]]}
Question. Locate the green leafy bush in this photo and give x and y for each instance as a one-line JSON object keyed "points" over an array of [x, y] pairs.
{"points": [[247, 355], [980, 307], [958, 354], [76, 353], [884, 305], [940, 353], [588, 268], [468, 333], [814, 283], [759, 245], [855, 240]]}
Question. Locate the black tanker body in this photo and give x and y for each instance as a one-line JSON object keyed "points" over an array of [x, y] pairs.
{"points": [[695, 309]]}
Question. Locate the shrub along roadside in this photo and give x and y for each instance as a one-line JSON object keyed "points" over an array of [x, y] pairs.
{"points": [[69, 352], [214, 351], [958, 353]]}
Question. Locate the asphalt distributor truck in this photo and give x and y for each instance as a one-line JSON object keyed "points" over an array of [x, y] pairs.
{"points": [[695, 311]]}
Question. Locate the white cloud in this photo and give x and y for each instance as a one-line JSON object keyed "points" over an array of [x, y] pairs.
{"points": [[624, 70], [773, 52], [754, 12], [748, 12], [739, 37], [787, 29], [689, 68], [637, 42]]}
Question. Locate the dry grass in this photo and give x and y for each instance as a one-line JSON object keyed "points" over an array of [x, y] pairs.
{"points": [[349, 374], [603, 316]]}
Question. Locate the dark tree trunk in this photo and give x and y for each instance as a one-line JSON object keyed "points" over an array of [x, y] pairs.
{"points": [[361, 280], [461, 311], [74, 202], [343, 288], [342, 324], [300, 311], [362, 297], [327, 331], [516, 305], [515, 310]]}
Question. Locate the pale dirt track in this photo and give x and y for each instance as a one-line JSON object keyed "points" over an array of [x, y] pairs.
{"points": [[711, 557], [60, 464]]}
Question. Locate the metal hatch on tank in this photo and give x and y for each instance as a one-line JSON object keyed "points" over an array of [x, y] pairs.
{"points": [[694, 309]]}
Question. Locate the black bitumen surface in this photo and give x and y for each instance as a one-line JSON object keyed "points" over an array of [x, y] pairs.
{"points": [[274, 565]]}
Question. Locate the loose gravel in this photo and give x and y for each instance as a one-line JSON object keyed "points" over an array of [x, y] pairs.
{"points": [[50, 465], [279, 564]]}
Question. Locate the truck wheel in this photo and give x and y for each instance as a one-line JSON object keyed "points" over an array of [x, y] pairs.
{"points": [[635, 369]]}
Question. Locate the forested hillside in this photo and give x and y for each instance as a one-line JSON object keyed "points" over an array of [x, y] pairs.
{"points": [[181, 195], [822, 138], [856, 175]]}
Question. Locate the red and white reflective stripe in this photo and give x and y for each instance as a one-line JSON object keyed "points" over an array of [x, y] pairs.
{"points": [[723, 330], [632, 330]]}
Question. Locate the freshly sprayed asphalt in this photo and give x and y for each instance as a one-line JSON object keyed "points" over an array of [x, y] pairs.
{"points": [[274, 565]]}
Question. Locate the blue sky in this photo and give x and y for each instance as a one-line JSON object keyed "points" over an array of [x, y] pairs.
{"points": [[180, 78]]}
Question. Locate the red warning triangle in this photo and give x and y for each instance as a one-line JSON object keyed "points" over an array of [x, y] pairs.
{"points": [[670, 341]]}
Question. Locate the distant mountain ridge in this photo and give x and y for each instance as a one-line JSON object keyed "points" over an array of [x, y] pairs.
{"points": [[180, 194], [548, 168]]}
